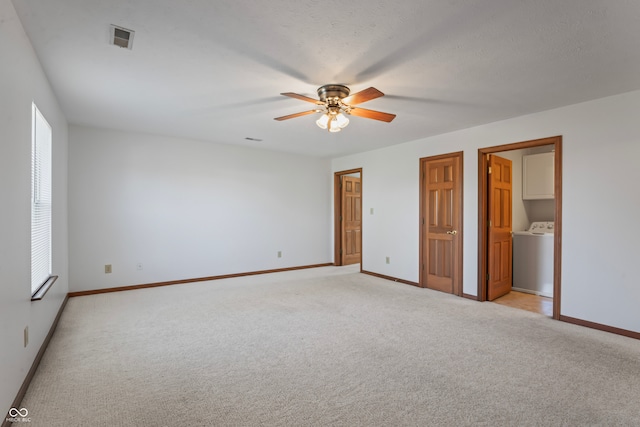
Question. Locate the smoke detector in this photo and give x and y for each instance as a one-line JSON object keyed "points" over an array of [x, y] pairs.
{"points": [[121, 37]]}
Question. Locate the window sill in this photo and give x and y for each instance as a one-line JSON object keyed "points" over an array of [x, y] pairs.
{"points": [[39, 294]]}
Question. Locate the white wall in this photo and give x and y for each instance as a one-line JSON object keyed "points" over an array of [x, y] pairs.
{"points": [[187, 209], [22, 82], [601, 141]]}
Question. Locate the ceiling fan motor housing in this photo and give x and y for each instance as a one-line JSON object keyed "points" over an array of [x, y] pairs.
{"points": [[330, 92]]}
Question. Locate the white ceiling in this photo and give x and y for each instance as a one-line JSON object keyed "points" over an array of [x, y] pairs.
{"points": [[213, 69]]}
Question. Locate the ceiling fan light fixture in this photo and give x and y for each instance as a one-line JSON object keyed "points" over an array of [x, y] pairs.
{"points": [[341, 120], [337, 122], [333, 126], [333, 120], [323, 121]]}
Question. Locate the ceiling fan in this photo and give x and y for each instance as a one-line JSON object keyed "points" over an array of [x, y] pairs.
{"points": [[334, 102]]}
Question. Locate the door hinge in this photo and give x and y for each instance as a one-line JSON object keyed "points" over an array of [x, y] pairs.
{"points": [[422, 221], [422, 267], [488, 277], [340, 218], [340, 251], [489, 170], [489, 223]]}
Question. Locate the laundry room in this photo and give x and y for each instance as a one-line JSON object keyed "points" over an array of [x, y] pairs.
{"points": [[533, 212]]}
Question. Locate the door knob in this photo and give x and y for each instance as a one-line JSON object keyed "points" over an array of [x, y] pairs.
{"points": [[454, 232]]}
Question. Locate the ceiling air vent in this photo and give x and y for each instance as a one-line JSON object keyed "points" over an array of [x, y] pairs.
{"points": [[121, 37]]}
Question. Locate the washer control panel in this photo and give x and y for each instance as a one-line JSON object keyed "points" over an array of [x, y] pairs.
{"points": [[541, 227]]}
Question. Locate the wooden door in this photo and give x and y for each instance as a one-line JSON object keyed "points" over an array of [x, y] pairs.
{"points": [[351, 216], [441, 210], [499, 250]]}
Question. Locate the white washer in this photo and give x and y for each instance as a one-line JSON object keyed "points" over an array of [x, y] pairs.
{"points": [[533, 259]]}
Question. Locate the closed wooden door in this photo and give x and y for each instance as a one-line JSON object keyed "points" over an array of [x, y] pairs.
{"points": [[441, 210], [499, 251], [351, 220]]}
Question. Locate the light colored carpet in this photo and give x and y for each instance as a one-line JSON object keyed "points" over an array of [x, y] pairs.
{"points": [[326, 347]]}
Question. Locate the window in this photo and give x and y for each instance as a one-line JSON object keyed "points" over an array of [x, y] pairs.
{"points": [[40, 204]]}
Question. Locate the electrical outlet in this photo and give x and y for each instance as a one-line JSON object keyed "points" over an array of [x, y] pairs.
{"points": [[279, 254], [388, 260], [107, 268], [26, 336], [139, 266]]}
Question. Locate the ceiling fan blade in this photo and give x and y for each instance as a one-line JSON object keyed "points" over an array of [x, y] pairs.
{"points": [[363, 96], [302, 98], [371, 114], [293, 116]]}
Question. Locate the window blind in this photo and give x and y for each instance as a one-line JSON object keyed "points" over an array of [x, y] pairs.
{"points": [[40, 201]]}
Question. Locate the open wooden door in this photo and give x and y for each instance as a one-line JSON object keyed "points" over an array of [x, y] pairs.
{"points": [[351, 193], [485, 266], [441, 222], [499, 250]]}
